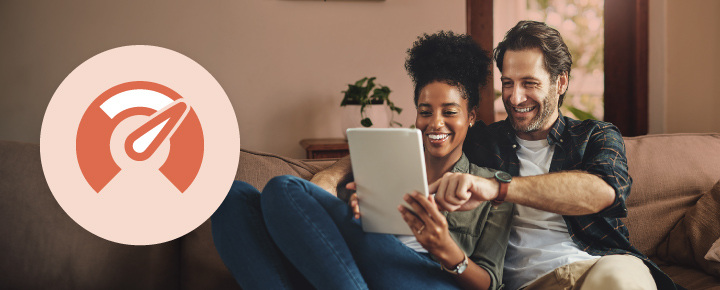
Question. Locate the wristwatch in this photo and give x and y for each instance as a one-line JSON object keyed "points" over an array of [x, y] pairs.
{"points": [[459, 269], [503, 179]]}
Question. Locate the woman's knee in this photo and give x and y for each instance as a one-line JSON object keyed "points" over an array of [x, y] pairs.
{"points": [[241, 195], [283, 184], [283, 189], [291, 191], [242, 188]]}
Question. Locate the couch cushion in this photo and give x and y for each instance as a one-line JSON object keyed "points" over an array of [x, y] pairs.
{"points": [[692, 237], [43, 248], [669, 173], [690, 278], [257, 168]]}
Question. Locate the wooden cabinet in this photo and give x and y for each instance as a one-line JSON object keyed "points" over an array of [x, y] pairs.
{"points": [[325, 148]]}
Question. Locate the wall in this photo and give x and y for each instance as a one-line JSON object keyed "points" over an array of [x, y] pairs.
{"points": [[689, 75], [657, 67], [283, 63]]}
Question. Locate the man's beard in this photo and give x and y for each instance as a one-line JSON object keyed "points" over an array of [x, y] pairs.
{"points": [[548, 106]]}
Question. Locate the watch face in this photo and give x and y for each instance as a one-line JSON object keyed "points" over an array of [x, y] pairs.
{"points": [[503, 176], [461, 268]]}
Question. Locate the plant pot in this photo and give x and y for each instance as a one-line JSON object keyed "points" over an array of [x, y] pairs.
{"points": [[378, 114]]}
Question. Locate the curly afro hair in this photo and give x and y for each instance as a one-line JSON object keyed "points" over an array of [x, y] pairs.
{"points": [[455, 59]]}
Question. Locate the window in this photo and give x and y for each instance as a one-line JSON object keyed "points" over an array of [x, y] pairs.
{"points": [[580, 22]]}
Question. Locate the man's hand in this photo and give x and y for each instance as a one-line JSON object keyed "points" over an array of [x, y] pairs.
{"points": [[461, 191]]}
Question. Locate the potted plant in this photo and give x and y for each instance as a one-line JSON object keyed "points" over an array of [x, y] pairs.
{"points": [[370, 105]]}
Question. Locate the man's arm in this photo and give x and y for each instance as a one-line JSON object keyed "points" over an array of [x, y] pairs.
{"points": [[600, 186], [565, 193], [330, 177]]}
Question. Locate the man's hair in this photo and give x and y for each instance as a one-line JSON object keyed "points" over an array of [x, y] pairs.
{"points": [[533, 34], [455, 59]]}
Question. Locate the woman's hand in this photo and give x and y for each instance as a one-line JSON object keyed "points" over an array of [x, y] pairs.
{"points": [[354, 200], [431, 229]]}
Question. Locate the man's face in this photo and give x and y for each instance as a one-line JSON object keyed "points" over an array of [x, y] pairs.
{"points": [[530, 98]]}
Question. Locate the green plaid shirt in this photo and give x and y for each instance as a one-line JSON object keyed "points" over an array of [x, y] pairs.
{"points": [[591, 146]]}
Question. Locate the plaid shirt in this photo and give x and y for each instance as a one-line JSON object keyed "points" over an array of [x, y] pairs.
{"points": [[591, 146]]}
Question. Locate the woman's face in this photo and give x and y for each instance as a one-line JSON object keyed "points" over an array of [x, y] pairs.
{"points": [[443, 117]]}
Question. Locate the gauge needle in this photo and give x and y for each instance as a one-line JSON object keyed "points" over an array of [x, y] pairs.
{"points": [[142, 143]]}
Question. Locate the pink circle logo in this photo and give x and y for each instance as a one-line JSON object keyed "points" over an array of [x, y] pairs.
{"points": [[139, 145]]}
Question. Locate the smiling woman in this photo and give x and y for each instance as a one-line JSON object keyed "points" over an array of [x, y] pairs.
{"points": [[319, 238], [443, 116]]}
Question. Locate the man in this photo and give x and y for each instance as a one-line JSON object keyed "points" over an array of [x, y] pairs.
{"points": [[570, 183], [568, 178]]}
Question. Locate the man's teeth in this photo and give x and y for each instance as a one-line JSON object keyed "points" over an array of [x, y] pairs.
{"points": [[524, 110], [437, 136]]}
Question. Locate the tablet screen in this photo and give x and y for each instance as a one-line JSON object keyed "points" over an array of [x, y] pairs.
{"points": [[387, 163]]}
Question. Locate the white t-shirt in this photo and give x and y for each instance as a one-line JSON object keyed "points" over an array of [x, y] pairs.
{"points": [[539, 240], [411, 242]]}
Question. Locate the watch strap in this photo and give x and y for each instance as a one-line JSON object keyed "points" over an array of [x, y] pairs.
{"points": [[502, 192], [459, 268]]}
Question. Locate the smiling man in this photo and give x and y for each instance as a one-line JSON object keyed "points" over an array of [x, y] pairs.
{"points": [[568, 178]]}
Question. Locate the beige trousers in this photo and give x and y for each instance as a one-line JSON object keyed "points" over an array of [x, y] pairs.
{"points": [[608, 272]]}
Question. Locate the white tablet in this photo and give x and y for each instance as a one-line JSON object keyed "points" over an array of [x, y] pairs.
{"points": [[387, 164]]}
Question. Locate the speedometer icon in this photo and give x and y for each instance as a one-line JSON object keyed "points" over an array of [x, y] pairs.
{"points": [[169, 118], [139, 145]]}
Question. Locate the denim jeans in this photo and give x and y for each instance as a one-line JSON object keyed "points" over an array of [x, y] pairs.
{"points": [[316, 232], [244, 244]]}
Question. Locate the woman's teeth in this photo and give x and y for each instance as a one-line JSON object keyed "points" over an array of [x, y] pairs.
{"points": [[438, 137]]}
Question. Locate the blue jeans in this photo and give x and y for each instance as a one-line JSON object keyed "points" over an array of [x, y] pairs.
{"points": [[316, 232], [244, 244]]}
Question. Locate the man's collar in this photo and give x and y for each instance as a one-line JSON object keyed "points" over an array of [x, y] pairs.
{"points": [[555, 134]]}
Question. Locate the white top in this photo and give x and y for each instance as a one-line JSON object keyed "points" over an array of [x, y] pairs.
{"points": [[539, 240], [411, 242]]}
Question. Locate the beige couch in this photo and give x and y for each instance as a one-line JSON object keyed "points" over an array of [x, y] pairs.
{"points": [[41, 247]]}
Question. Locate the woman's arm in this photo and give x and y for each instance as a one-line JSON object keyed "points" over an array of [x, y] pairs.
{"points": [[431, 230]]}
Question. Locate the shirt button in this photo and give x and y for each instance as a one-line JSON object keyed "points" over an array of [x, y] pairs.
{"points": [[514, 146], [561, 140]]}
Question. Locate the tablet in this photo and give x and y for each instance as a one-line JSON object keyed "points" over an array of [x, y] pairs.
{"points": [[387, 163]]}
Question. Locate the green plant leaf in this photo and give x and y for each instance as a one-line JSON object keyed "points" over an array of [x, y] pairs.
{"points": [[360, 82], [366, 122], [370, 85], [580, 114], [381, 94]]}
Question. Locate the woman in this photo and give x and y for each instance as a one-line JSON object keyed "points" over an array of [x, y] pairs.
{"points": [[310, 236]]}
